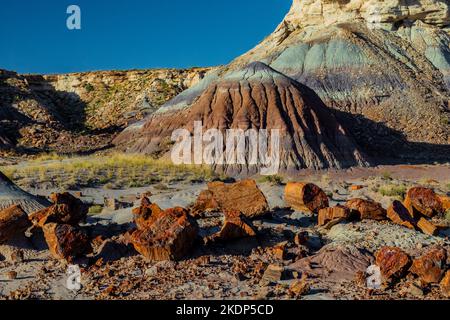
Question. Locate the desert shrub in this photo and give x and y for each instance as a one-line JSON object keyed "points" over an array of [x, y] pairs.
{"points": [[398, 191], [386, 175], [275, 180], [89, 87], [95, 209]]}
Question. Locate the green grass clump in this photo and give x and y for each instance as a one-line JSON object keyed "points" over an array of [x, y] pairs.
{"points": [[275, 180], [387, 176], [96, 209], [398, 191]]}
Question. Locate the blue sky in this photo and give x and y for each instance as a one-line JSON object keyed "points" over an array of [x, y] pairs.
{"points": [[132, 34]]}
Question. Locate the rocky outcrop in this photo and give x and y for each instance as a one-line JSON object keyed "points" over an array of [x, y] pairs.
{"points": [[382, 65], [11, 195], [81, 111], [256, 97]]}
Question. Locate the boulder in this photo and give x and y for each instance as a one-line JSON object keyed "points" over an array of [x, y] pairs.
{"points": [[399, 214], [66, 209], [243, 196], [430, 267], [393, 262], [423, 202], [366, 209], [64, 241], [427, 227], [235, 226], [167, 236], [336, 214], [13, 221], [305, 197]]}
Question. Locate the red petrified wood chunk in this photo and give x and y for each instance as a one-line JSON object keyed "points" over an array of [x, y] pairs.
{"points": [[398, 214], [13, 221], [337, 214], [366, 209], [65, 241], [305, 197], [423, 202], [66, 209], [167, 236], [243, 196], [431, 266], [393, 262]]}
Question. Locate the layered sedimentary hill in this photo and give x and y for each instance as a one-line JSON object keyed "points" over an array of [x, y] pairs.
{"points": [[256, 97], [81, 111], [384, 66], [10, 195]]}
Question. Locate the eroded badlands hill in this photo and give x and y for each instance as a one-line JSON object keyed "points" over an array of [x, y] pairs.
{"points": [[383, 66], [257, 97]]}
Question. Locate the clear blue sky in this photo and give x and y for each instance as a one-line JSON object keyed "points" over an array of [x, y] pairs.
{"points": [[118, 34]]}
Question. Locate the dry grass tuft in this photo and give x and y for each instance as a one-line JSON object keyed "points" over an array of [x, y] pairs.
{"points": [[113, 171]]}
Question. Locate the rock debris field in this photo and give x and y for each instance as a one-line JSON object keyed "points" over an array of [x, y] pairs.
{"points": [[230, 240]]}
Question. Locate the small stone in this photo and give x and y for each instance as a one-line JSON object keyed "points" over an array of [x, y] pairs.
{"points": [[301, 238], [300, 287], [272, 275]]}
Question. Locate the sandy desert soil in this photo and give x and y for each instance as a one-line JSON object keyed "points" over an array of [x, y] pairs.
{"points": [[236, 269]]}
